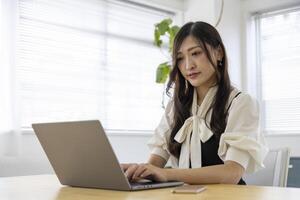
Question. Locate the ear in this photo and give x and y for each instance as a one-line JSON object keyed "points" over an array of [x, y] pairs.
{"points": [[219, 53]]}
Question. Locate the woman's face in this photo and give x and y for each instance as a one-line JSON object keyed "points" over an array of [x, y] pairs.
{"points": [[194, 64]]}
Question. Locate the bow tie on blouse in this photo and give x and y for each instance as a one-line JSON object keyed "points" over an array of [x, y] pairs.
{"points": [[193, 131]]}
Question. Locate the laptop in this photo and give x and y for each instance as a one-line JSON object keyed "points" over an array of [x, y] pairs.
{"points": [[82, 156]]}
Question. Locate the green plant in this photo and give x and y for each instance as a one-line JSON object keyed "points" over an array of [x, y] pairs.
{"points": [[164, 28]]}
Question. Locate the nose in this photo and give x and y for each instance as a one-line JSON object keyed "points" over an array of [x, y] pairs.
{"points": [[189, 64]]}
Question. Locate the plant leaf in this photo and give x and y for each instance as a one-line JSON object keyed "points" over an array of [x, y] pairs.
{"points": [[164, 26], [162, 72], [173, 31], [157, 40]]}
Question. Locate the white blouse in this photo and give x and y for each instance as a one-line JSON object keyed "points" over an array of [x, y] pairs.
{"points": [[241, 141]]}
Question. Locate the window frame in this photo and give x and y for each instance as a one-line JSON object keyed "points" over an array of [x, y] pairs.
{"points": [[256, 17]]}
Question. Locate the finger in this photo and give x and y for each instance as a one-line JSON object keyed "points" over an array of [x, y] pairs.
{"points": [[147, 174], [125, 166], [130, 171], [139, 171]]}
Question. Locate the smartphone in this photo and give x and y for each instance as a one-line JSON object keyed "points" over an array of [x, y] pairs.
{"points": [[193, 189]]}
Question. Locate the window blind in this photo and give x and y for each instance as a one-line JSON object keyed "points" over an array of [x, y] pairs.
{"points": [[280, 70], [88, 59]]}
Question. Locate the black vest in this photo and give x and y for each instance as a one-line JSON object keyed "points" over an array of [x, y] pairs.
{"points": [[209, 153]]}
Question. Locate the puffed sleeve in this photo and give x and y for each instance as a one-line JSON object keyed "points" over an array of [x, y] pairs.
{"points": [[158, 144], [242, 142]]}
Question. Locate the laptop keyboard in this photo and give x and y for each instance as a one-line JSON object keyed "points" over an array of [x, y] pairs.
{"points": [[142, 182]]}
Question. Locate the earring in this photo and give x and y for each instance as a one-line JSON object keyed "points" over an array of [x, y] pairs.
{"points": [[219, 63]]}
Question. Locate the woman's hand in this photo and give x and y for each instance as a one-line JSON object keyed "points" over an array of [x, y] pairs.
{"points": [[129, 169], [134, 172]]}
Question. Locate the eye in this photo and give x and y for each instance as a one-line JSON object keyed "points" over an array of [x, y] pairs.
{"points": [[196, 53], [179, 59]]}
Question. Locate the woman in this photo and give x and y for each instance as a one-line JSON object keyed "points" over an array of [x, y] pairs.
{"points": [[209, 131]]}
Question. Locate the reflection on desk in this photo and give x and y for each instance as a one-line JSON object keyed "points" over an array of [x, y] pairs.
{"points": [[47, 187]]}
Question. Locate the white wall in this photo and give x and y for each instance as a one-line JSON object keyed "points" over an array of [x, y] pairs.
{"points": [[165, 4], [229, 29], [199, 10]]}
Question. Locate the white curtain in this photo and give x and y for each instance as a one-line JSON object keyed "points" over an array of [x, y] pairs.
{"points": [[67, 60], [279, 68], [9, 126], [89, 59]]}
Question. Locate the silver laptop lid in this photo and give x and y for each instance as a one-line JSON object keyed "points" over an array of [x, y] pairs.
{"points": [[81, 154]]}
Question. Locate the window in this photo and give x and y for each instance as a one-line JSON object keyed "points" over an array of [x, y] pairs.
{"points": [[89, 59], [279, 61]]}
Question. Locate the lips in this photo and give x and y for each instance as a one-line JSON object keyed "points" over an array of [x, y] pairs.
{"points": [[193, 75]]}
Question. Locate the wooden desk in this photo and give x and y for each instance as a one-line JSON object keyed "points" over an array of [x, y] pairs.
{"points": [[47, 187]]}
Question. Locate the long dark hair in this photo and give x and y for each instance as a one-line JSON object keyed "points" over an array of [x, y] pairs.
{"points": [[206, 35]]}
